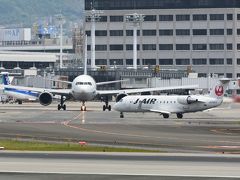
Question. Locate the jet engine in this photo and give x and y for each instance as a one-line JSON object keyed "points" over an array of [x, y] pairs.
{"points": [[45, 98], [120, 96], [187, 100]]}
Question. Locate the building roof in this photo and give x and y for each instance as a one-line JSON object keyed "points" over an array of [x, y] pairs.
{"points": [[159, 4], [16, 56]]}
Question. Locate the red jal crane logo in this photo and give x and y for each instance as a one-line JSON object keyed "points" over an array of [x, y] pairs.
{"points": [[219, 90]]}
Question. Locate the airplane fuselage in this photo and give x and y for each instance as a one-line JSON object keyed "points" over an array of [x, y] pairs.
{"points": [[171, 104], [83, 88], [21, 94]]}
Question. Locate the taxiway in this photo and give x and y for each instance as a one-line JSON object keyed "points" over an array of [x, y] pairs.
{"points": [[214, 131]]}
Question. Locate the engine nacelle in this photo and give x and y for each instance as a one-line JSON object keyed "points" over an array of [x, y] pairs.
{"points": [[45, 98], [187, 100], [120, 96]]}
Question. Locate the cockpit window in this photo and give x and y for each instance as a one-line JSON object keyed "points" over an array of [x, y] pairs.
{"points": [[84, 83], [121, 100]]}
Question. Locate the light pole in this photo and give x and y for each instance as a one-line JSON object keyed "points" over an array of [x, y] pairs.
{"points": [[93, 17], [60, 20], [136, 20]]}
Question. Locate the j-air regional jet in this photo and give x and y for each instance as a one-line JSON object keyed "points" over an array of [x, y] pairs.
{"points": [[84, 88], [173, 104]]}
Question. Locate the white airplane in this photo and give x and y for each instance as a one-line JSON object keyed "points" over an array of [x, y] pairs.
{"points": [[84, 88], [177, 104], [19, 95]]}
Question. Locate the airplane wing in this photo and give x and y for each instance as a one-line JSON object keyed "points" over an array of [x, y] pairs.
{"points": [[160, 111], [109, 82], [61, 81], [65, 92], [130, 91]]}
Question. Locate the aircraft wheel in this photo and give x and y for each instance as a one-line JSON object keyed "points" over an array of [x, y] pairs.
{"points": [[59, 106], [83, 108], [166, 116], [179, 115], [109, 108], [104, 107], [64, 107]]}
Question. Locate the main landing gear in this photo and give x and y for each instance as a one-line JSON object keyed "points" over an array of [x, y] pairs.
{"points": [[165, 116], [62, 105], [106, 106], [179, 115], [83, 107]]}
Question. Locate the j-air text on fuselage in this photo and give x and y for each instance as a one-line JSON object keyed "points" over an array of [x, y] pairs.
{"points": [[146, 101], [177, 104]]}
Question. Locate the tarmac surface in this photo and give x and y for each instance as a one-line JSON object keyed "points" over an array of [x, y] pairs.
{"points": [[203, 145], [167, 166], [214, 131]]}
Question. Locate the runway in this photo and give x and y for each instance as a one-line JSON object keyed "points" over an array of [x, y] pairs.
{"points": [[215, 131], [45, 165]]}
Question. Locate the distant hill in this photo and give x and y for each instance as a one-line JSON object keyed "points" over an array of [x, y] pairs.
{"points": [[25, 12]]}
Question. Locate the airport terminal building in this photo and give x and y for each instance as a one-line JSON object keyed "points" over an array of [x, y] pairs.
{"points": [[178, 34]]}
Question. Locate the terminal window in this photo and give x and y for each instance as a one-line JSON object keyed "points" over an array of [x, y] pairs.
{"points": [[116, 18], [182, 46], [166, 32], [150, 18], [216, 31], [216, 61], [199, 17], [183, 17], [182, 32], [150, 32], [182, 61], [199, 32], [116, 32], [165, 61], [165, 46], [199, 61], [149, 46], [199, 46], [229, 61], [216, 46], [165, 17], [215, 17]]}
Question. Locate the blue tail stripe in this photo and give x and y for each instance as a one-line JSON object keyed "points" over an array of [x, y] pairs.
{"points": [[5, 79]]}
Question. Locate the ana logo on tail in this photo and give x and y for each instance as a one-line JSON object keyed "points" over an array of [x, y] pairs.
{"points": [[219, 90]]}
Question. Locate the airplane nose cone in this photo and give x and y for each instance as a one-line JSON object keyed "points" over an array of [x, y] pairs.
{"points": [[116, 106]]}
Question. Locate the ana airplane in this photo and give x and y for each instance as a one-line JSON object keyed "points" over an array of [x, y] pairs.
{"points": [[84, 88], [19, 95], [177, 104]]}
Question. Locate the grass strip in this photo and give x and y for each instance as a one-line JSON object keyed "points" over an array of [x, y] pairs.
{"points": [[43, 146]]}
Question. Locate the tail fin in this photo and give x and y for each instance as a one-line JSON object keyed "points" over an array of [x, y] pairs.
{"points": [[5, 79], [85, 56], [219, 89]]}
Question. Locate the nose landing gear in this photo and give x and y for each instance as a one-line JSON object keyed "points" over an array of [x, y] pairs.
{"points": [[121, 115], [83, 107]]}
